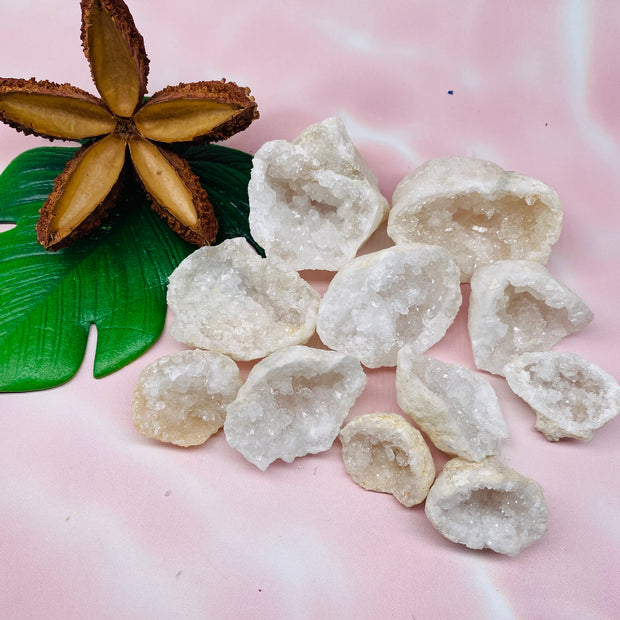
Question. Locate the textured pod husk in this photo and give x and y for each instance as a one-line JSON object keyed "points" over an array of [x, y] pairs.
{"points": [[213, 91], [207, 222], [126, 61], [53, 241], [96, 118]]}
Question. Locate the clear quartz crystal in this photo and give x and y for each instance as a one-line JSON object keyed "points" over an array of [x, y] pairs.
{"points": [[571, 396], [487, 505], [313, 201], [293, 403], [455, 407], [227, 298], [478, 211], [517, 306], [181, 398], [383, 452], [379, 302]]}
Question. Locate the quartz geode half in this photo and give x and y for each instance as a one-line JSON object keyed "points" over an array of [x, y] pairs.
{"points": [[477, 210]]}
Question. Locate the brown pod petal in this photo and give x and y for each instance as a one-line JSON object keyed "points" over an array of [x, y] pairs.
{"points": [[201, 111], [176, 192], [83, 193], [115, 50], [53, 110]]}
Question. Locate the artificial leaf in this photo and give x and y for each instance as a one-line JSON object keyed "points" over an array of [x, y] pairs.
{"points": [[115, 278]]}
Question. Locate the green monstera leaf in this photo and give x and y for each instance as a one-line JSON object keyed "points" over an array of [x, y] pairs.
{"points": [[115, 279]]}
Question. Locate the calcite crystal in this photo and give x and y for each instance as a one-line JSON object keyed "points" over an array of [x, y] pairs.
{"points": [[517, 306], [383, 452], [487, 505], [478, 211], [377, 303], [228, 299], [313, 201], [456, 407], [182, 398], [293, 403], [571, 396]]}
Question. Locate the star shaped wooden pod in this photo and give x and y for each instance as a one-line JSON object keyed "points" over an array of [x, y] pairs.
{"points": [[121, 129]]}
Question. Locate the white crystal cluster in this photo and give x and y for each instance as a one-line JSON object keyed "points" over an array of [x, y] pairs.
{"points": [[571, 396], [293, 403], [182, 398], [516, 307], [487, 505], [383, 452], [455, 407], [379, 302], [313, 201], [478, 211], [227, 298]]}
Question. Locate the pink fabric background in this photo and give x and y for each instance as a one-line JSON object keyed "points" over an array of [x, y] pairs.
{"points": [[96, 521]]}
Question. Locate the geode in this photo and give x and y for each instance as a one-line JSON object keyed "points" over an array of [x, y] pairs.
{"points": [[227, 298], [487, 505], [383, 452], [478, 211], [377, 303], [571, 396], [455, 407], [181, 398], [293, 403], [313, 201], [517, 306]]}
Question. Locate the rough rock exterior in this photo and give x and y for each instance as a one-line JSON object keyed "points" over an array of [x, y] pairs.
{"points": [[517, 306], [377, 303], [478, 211], [383, 452], [487, 505], [227, 298], [456, 407], [571, 396], [293, 403], [313, 202], [182, 398]]}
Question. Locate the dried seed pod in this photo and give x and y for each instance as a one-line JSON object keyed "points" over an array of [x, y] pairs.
{"points": [[516, 307], [383, 452], [182, 398], [53, 110], [227, 298], [313, 202], [292, 404], [456, 408], [83, 194], [196, 112], [571, 396], [379, 302], [116, 54], [187, 112], [487, 505], [175, 191], [478, 211]]}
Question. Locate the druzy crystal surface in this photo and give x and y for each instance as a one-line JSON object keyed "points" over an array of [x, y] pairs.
{"points": [[383, 452], [227, 298], [456, 407], [487, 505], [181, 398], [571, 396], [478, 211], [313, 201], [517, 306], [293, 403], [377, 303]]}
